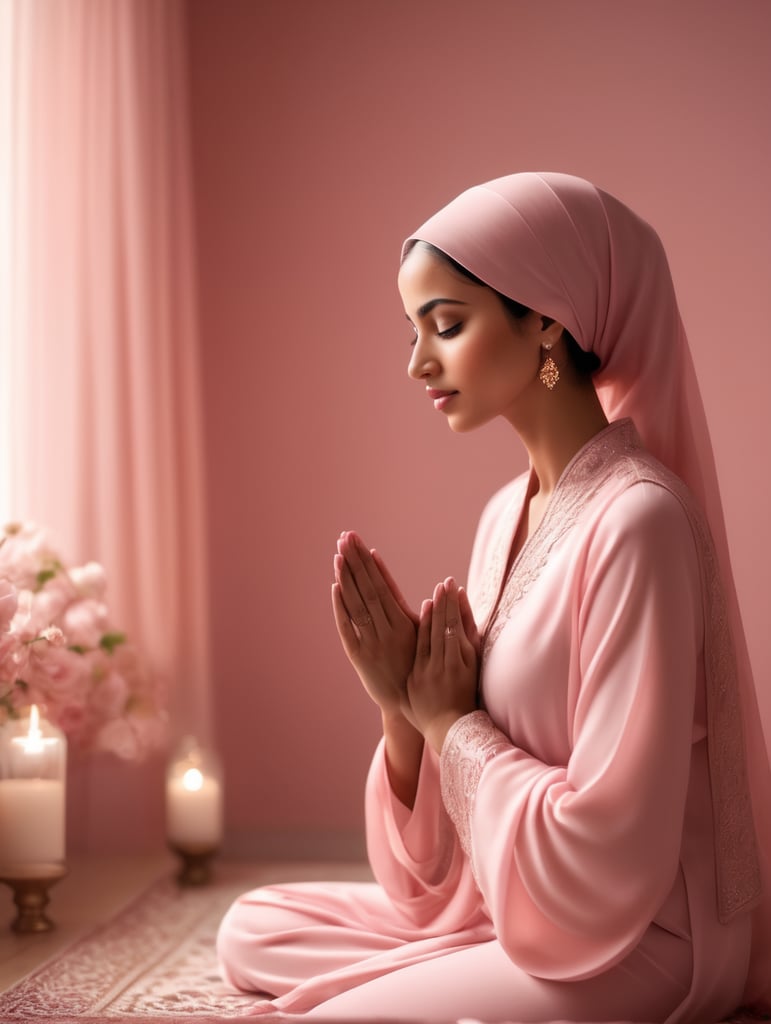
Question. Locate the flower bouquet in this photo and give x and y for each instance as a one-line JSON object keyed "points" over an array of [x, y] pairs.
{"points": [[59, 650]]}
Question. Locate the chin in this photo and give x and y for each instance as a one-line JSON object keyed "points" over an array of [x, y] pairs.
{"points": [[460, 426], [463, 425]]}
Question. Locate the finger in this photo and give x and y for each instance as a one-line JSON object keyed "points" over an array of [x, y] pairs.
{"points": [[391, 600], [392, 586], [423, 639], [438, 622], [468, 620], [348, 636], [348, 589], [365, 576], [454, 634], [467, 614], [355, 608]]}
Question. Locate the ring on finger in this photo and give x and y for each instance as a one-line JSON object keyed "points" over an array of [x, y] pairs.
{"points": [[361, 620], [450, 631]]}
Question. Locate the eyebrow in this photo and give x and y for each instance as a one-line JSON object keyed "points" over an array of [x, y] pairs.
{"points": [[426, 308]]}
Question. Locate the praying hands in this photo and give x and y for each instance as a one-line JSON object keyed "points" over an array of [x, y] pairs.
{"points": [[421, 670]]}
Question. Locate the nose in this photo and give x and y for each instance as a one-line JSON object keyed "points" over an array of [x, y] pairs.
{"points": [[422, 364]]}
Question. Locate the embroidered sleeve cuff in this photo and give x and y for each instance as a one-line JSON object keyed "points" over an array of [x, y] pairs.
{"points": [[471, 742]]}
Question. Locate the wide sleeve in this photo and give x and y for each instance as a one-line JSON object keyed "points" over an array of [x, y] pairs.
{"points": [[574, 860], [415, 854]]}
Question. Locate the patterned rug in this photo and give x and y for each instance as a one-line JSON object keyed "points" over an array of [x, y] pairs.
{"points": [[155, 962]]}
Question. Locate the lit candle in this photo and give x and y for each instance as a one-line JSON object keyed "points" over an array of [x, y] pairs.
{"points": [[193, 808], [32, 800]]}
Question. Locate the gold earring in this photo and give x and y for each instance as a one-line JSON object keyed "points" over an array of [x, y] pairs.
{"points": [[549, 373]]}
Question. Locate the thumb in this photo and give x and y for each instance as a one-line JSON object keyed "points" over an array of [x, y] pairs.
{"points": [[467, 618]]}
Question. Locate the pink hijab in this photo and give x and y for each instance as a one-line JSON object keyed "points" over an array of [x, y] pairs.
{"points": [[565, 248]]}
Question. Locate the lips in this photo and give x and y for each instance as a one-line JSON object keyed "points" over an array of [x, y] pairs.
{"points": [[440, 398]]}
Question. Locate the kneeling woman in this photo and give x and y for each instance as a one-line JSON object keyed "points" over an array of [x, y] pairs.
{"points": [[560, 815]]}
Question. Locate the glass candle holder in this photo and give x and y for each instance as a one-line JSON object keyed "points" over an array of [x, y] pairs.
{"points": [[194, 816], [33, 763]]}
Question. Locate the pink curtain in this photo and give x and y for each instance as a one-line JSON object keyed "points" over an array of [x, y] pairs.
{"points": [[102, 436]]}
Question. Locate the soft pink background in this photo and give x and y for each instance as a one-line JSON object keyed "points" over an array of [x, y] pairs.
{"points": [[322, 134], [102, 430]]}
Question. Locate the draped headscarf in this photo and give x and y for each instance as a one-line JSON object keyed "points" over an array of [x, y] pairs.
{"points": [[561, 246]]}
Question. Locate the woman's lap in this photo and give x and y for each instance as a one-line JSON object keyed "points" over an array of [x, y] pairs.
{"points": [[481, 982], [275, 938], [338, 943]]}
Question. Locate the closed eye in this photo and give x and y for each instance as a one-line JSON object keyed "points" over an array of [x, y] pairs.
{"points": [[450, 332]]}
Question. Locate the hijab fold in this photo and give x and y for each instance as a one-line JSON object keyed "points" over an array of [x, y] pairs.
{"points": [[571, 251]]}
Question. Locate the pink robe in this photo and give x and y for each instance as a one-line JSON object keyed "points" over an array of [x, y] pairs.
{"points": [[559, 863]]}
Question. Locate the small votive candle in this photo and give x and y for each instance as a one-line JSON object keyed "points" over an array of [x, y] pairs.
{"points": [[33, 760], [194, 799]]}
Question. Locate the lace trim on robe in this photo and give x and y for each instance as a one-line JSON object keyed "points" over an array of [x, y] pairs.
{"points": [[583, 477], [470, 743], [614, 455], [495, 568]]}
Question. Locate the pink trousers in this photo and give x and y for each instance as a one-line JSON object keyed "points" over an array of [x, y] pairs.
{"points": [[317, 948]]}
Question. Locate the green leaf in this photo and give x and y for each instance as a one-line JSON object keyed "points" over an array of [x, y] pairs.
{"points": [[44, 576], [112, 640]]}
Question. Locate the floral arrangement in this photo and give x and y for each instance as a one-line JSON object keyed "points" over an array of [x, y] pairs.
{"points": [[58, 650]]}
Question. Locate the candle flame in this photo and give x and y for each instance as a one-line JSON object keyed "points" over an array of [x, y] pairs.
{"points": [[34, 740], [192, 780]]}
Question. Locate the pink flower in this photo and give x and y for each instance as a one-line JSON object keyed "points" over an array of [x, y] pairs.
{"points": [[109, 696], [38, 610], [51, 601], [25, 554], [13, 660], [89, 580], [133, 736], [119, 737], [59, 649], [56, 677], [73, 720], [8, 603], [54, 636], [85, 623]]}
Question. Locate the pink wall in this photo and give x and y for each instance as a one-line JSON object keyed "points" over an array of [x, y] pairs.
{"points": [[323, 133]]}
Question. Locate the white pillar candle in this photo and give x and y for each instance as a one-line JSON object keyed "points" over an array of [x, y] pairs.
{"points": [[32, 802], [32, 817], [194, 810]]}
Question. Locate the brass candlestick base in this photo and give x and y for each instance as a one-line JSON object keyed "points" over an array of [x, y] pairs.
{"points": [[31, 898], [195, 868]]}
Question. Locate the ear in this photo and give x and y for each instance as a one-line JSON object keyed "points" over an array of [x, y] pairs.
{"points": [[551, 331]]}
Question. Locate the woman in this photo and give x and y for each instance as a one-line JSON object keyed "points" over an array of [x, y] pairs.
{"points": [[559, 815]]}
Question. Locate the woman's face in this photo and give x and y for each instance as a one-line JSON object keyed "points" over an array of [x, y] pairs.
{"points": [[475, 359]]}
